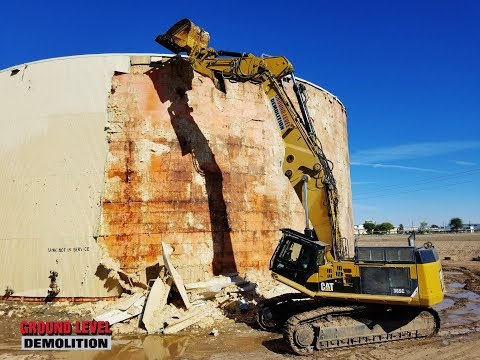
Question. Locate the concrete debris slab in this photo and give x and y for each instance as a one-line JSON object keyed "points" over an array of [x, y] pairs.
{"points": [[192, 316], [129, 301], [215, 284], [167, 250], [198, 302], [121, 314], [156, 301], [207, 295]]}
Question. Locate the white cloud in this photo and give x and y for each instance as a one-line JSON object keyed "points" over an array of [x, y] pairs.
{"points": [[465, 163], [410, 151], [391, 166]]}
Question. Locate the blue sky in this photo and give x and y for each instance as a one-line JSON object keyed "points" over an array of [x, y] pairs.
{"points": [[407, 71]]}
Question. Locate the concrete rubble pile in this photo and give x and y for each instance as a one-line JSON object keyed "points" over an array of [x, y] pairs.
{"points": [[168, 305]]}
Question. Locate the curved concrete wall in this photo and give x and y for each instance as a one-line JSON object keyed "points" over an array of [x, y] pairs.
{"points": [[103, 157]]}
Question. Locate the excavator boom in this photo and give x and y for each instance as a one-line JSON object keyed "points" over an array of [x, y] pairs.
{"points": [[382, 293], [305, 163]]}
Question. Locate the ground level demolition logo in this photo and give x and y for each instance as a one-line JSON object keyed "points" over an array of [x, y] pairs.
{"points": [[60, 335], [66, 342]]}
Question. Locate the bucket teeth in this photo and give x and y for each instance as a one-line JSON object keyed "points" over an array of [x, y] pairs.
{"points": [[166, 42], [184, 36]]}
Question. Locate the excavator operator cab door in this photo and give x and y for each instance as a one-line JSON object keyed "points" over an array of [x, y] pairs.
{"points": [[297, 257]]}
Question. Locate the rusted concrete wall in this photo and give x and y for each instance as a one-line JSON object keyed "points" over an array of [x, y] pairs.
{"points": [[201, 170], [100, 155]]}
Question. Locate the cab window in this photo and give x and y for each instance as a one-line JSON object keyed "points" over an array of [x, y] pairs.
{"points": [[291, 252]]}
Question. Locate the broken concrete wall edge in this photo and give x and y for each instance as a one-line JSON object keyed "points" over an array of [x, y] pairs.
{"points": [[13, 67]]}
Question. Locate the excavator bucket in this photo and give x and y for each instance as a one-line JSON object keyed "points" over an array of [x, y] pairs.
{"points": [[184, 36]]}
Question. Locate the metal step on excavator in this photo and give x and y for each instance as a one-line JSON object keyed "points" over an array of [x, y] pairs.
{"points": [[379, 294]]}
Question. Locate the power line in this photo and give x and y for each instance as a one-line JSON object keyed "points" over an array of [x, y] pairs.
{"points": [[426, 181], [410, 190]]}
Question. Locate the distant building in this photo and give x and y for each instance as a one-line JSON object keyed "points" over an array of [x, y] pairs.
{"points": [[359, 230], [408, 229], [393, 231], [471, 227], [465, 228]]}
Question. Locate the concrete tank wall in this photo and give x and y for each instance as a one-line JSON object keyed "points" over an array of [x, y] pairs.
{"points": [[102, 161]]}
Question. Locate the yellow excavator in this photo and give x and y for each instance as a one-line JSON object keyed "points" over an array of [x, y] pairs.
{"points": [[381, 293]]}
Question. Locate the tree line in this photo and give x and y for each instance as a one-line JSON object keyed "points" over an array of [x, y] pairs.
{"points": [[383, 227], [370, 227]]}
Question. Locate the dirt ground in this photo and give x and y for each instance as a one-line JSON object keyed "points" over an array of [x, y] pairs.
{"points": [[238, 337], [458, 246]]}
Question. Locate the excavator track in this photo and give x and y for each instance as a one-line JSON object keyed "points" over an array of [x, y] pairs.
{"points": [[344, 326], [274, 312]]}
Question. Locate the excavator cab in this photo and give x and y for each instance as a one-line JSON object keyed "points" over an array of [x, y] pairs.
{"points": [[297, 256]]}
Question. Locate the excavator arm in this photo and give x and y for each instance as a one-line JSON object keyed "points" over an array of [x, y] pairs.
{"points": [[389, 288], [305, 164]]}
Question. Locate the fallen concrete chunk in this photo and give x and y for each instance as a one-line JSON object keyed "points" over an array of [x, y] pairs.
{"points": [[198, 302], [156, 301], [209, 289], [207, 295], [177, 279], [119, 314], [191, 317], [129, 301], [215, 284]]}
